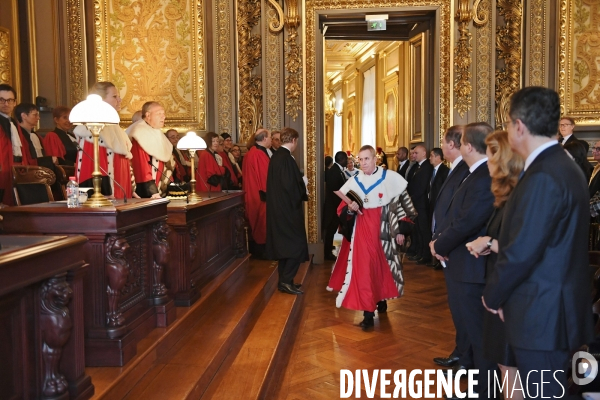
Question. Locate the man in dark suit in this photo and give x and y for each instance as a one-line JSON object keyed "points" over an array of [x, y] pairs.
{"points": [[334, 180], [412, 167], [540, 285], [418, 189], [403, 163], [438, 177], [462, 355], [467, 215], [595, 179]]}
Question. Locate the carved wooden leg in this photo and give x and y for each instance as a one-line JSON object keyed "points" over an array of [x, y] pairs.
{"points": [[117, 274], [162, 255], [241, 246]]}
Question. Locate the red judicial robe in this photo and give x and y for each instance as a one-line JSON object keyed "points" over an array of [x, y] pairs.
{"points": [[55, 146], [227, 164], [114, 156], [207, 167], [255, 169], [7, 161]]}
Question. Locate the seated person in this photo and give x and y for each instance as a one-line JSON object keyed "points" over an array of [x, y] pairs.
{"points": [[60, 143], [210, 171]]}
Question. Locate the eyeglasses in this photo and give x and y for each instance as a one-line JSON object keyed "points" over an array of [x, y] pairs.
{"points": [[563, 125], [4, 101], [595, 149], [505, 124]]}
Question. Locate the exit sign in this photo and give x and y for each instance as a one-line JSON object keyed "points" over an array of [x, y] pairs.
{"points": [[376, 25]]}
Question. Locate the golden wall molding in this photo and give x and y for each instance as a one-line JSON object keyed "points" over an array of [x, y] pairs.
{"points": [[417, 51], [537, 43], [5, 70], [462, 59], [76, 34], [484, 54], [293, 62], [579, 75], [10, 37], [311, 8], [508, 45], [154, 52], [272, 77], [249, 55], [225, 120]]}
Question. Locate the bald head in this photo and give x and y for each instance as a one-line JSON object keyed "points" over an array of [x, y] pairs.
{"points": [[263, 137], [420, 153]]}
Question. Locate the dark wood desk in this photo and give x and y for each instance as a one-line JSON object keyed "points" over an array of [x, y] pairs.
{"points": [[41, 318], [205, 237], [125, 293]]}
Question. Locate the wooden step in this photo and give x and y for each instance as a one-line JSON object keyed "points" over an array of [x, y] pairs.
{"points": [[186, 370], [115, 382], [257, 368]]}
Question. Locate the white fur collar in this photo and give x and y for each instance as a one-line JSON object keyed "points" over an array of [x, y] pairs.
{"points": [[153, 141]]}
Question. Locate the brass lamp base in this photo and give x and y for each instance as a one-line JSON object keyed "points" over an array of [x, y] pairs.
{"points": [[194, 197], [97, 200]]}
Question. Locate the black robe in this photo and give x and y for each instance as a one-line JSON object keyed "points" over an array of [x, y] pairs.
{"points": [[286, 192]]}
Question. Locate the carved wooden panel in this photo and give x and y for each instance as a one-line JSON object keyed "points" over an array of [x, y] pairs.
{"points": [[137, 286]]}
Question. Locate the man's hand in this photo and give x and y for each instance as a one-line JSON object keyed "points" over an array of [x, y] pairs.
{"points": [[400, 239], [135, 195], [353, 206], [156, 196], [499, 311]]}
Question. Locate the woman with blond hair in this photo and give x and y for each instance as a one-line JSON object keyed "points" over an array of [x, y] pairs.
{"points": [[505, 168]]}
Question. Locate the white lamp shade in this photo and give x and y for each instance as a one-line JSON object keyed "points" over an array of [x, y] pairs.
{"points": [[191, 141], [94, 110]]}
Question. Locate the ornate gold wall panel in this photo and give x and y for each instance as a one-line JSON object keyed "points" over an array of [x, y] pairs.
{"points": [[5, 74], [311, 7], [273, 87], [76, 34], [293, 62], [508, 46], [462, 60], [484, 54], [154, 50], [537, 43], [225, 119], [249, 55], [579, 54]]}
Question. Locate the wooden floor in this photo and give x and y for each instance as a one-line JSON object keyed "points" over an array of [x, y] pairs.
{"points": [[416, 328]]}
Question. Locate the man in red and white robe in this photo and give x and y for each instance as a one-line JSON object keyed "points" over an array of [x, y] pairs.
{"points": [[255, 168], [368, 269], [152, 152]]}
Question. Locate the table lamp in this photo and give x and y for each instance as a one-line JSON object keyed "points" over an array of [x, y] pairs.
{"points": [[94, 114], [192, 142]]}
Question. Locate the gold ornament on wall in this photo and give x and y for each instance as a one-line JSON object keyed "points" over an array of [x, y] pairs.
{"points": [[76, 59], [462, 60], [484, 55], [5, 75], [154, 51], [293, 63], [249, 55], [226, 122], [508, 46]]}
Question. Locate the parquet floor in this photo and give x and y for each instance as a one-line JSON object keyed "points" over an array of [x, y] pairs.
{"points": [[416, 328]]}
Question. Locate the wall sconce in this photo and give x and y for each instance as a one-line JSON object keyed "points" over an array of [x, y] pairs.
{"points": [[330, 109], [192, 142], [94, 114]]}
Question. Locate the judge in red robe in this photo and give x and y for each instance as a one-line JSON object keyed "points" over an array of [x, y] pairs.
{"points": [[255, 169], [13, 145], [231, 181], [60, 144], [210, 171], [114, 152], [368, 269], [152, 153]]}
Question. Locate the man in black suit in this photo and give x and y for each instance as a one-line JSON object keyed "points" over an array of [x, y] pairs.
{"points": [[595, 179], [403, 163], [412, 167], [418, 189], [468, 212], [438, 177], [540, 285], [462, 355], [334, 180]]}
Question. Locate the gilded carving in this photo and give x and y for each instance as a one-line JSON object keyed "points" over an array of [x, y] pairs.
{"points": [[462, 60], [273, 75], [117, 275], [483, 36], [508, 46], [154, 51], [5, 74], [311, 7], [76, 43], [293, 63], [276, 23], [223, 15], [537, 43], [249, 55]]}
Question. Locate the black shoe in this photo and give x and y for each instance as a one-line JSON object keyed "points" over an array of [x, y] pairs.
{"points": [[382, 306], [330, 257], [414, 258], [297, 285], [438, 266], [433, 263], [423, 261], [287, 288], [446, 361], [367, 323]]}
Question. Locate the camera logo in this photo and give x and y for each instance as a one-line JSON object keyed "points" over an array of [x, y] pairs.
{"points": [[584, 368]]}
